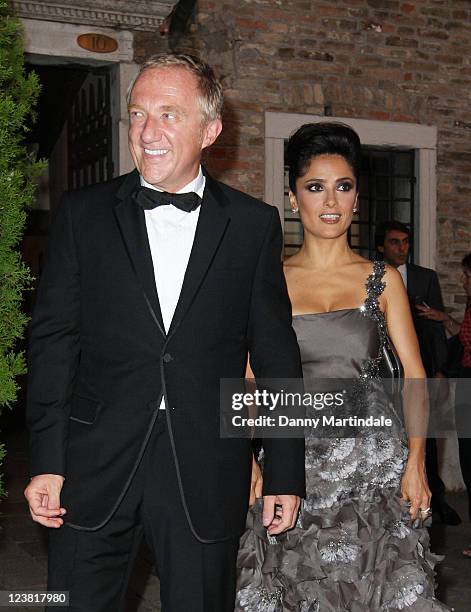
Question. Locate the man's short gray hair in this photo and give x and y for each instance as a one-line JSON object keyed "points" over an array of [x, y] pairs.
{"points": [[211, 96]]}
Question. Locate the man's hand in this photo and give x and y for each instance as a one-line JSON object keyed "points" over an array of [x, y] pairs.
{"points": [[256, 483], [432, 313], [280, 512], [43, 495]]}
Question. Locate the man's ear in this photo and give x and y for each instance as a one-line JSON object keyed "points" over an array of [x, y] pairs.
{"points": [[380, 248], [211, 131]]}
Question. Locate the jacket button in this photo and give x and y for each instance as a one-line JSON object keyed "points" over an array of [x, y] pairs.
{"points": [[167, 358]]}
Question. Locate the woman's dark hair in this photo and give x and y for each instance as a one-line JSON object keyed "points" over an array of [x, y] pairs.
{"points": [[313, 139], [466, 261]]}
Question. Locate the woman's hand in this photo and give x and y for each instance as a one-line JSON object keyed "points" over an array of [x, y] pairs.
{"points": [[451, 325], [256, 482], [414, 489]]}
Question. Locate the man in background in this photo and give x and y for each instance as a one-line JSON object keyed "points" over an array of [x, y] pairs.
{"points": [[392, 240]]}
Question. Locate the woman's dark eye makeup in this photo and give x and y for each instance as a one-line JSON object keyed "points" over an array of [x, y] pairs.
{"points": [[314, 186], [342, 186]]}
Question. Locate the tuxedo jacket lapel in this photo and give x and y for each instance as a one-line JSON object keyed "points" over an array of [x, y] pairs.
{"points": [[132, 224], [212, 223], [414, 283]]}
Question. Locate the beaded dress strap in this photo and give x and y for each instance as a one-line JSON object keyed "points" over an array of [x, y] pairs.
{"points": [[374, 288]]}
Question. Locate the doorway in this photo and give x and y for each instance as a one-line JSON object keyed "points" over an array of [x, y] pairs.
{"points": [[75, 132], [74, 129]]}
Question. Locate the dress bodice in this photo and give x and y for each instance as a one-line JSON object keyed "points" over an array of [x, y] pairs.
{"points": [[344, 343], [337, 343]]}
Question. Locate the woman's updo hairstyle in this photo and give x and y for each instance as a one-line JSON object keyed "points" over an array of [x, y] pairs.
{"points": [[313, 139]]}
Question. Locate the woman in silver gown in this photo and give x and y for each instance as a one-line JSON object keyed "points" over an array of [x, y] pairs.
{"points": [[359, 543]]}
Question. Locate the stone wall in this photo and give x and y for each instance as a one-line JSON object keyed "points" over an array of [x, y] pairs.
{"points": [[383, 59], [146, 15]]}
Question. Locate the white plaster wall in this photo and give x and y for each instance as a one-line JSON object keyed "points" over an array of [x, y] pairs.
{"points": [[60, 39]]}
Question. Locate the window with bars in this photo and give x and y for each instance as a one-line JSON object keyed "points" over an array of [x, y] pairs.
{"points": [[387, 188]]}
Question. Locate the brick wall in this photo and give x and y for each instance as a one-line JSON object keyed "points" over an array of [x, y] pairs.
{"points": [[383, 59]]}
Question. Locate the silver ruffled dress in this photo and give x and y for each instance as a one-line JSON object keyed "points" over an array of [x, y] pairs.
{"points": [[354, 547]]}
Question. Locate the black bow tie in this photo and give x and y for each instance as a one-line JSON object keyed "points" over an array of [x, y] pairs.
{"points": [[151, 198]]}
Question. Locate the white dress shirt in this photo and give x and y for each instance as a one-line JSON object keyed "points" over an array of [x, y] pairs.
{"points": [[403, 272], [171, 233]]}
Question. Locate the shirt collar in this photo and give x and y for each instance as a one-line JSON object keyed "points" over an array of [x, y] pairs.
{"points": [[196, 185], [402, 269]]}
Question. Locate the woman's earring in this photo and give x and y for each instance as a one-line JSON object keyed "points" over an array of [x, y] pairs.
{"points": [[295, 210], [355, 206]]}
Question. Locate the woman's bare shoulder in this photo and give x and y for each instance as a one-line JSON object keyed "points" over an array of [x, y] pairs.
{"points": [[358, 268], [361, 263], [392, 277], [293, 261], [294, 265]]}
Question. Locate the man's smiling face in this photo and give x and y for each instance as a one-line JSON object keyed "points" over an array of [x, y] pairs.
{"points": [[167, 133]]}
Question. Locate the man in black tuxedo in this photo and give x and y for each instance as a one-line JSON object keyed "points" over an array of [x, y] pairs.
{"points": [[423, 289], [156, 285]]}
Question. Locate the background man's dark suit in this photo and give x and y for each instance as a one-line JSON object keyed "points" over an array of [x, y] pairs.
{"points": [[423, 286], [392, 239], [100, 360]]}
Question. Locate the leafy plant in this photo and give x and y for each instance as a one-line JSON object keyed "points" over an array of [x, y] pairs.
{"points": [[18, 176]]}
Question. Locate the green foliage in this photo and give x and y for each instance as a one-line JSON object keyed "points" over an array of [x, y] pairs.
{"points": [[2, 455], [18, 174]]}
